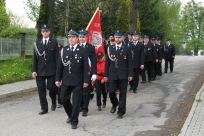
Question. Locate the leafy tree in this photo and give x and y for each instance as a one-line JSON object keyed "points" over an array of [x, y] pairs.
{"points": [[193, 20], [4, 18], [123, 16]]}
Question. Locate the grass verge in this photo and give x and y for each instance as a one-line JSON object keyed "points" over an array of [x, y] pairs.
{"points": [[13, 70]]}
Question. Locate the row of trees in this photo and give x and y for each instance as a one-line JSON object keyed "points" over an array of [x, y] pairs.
{"points": [[164, 18]]}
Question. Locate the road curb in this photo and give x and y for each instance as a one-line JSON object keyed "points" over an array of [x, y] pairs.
{"points": [[6, 95], [190, 115]]}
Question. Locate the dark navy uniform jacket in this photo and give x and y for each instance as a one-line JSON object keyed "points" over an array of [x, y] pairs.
{"points": [[122, 68], [76, 71], [137, 54], [169, 51], [158, 51], [150, 52], [92, 56], [45, 64]]}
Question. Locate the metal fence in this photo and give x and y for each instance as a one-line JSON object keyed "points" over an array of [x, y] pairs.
{"points": [[11, 48]]}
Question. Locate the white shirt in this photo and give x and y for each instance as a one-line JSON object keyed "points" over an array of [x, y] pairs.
{"points": [[83, 44], [118, 45], [73, 46], [135, 42], [45, 39]]}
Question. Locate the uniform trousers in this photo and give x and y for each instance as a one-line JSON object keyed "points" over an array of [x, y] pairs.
{"points": [[154, 70], [171, 62], [100, 89], [159, 70], [148, 67], [72, 109], [59, 91], [41, 85], [136, 77], [114, 85], [86, 97]]}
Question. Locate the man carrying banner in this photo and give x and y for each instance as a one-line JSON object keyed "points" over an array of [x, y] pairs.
{"points": [[90, 50], [118, 71]]}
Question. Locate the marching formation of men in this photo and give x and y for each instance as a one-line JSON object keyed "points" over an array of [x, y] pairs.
{"points": [[77, 66]]}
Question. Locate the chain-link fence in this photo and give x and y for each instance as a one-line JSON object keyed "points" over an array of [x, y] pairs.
{"points": [[11, 48]]}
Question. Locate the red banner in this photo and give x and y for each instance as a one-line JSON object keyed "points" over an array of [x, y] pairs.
{"points": [[95, 33]]}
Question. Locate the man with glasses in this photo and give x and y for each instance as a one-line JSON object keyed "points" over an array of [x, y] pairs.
{"points": [[45, 59]]}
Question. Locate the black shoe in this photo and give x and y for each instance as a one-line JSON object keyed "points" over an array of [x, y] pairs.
{"points": [[134, 90], [104, 104], [143, 82], [84, 113], [120, 116], [74, 126], [99, 108], [53, 107], [68, 120], [130, 89], [149, 81], [152, 79], [165, 71], [171, 71], [113, 109], [43, 112]]}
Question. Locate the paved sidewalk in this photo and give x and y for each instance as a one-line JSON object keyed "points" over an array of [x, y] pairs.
{"points": [[11, 89], [194, 124]]}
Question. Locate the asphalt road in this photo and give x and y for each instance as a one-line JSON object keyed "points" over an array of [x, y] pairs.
{"points": [[147, 111]]}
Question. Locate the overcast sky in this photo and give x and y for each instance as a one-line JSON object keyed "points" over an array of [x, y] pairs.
{"points": [[17, 7]]}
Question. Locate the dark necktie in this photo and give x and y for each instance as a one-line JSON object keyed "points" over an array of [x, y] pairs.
{"points": [[72, 49], [118, 50], [45, 44]]}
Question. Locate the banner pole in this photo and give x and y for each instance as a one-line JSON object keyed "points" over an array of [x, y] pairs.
{"points": [[92, 18]]}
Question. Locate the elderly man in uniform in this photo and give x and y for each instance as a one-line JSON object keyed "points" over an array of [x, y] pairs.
{"points": [[169, 55], [45, 59], [138, 57], [118, 71], [90, 50], [72, 75]]}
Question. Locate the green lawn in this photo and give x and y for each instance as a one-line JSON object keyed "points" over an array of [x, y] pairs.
{"points": [[13, 70]]}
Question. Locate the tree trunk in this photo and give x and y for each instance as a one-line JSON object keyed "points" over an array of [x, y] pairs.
{"points": [[133, 15], [66, 20], [46, 16]]}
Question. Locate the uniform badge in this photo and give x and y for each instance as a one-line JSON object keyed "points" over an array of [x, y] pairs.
{"points": [[67, 48], [124, 57], [67, 57], [149, 48], [77, 49], [114, 56]]}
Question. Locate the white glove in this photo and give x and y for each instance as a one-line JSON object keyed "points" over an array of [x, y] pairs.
{"points": [[93, 78]]}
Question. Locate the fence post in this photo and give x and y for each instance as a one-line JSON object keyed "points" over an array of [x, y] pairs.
{"points": [[22, 39]]}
